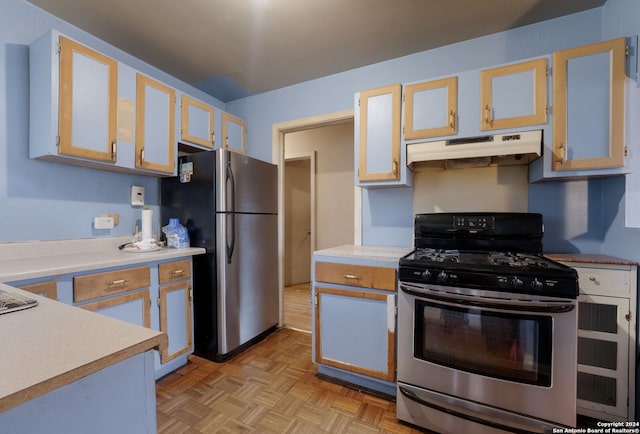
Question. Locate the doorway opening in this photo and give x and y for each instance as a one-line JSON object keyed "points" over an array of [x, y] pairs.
{"points": [[297, 141]]}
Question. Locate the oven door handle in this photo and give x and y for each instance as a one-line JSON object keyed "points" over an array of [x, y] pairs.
{"points": [[547, 306]]}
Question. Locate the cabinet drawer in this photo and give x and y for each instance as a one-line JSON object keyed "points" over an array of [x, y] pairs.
{"points": [[604, 281], [110, 282], [363, 276], [47, 289], [172, 271]]}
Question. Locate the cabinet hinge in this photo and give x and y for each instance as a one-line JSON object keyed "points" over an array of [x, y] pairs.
{"points": [[626, 51], [158, 301], [626, 151], [358, 102], [315, 300], [58, 48], [395, 310], [548, 71], [57, 141], [190, 293], [546, 109], [628, 316]]}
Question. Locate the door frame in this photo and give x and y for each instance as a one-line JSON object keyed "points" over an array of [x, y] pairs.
{"points": [[311, 156], [278, 132]]}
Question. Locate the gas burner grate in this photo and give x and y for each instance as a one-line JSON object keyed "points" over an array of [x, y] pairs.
{"points": [[438, 255], [518, 260]]}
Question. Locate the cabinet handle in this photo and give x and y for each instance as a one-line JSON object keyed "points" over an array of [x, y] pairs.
{"points": [[174, 272], [213, 138], [120, 282], [351, 276], [114, 150], [141, 155], [452, 119], [487, 114]]}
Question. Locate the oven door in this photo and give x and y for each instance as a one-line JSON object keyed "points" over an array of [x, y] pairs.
{"points": [[511, 352]]}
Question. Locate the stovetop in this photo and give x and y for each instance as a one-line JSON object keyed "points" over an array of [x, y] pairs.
{"points": [[520, 272]]}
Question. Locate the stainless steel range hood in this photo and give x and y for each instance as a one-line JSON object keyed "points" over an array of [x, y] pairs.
{"points": [[481, 151]]}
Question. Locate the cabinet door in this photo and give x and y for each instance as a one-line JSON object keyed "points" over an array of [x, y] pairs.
{"points": [[175, 319], [133, 307], [233, 133], [197, 125], [155, 117], [431, 108], [379, 134], [588, 113], [88, 103], [355, 331], [603, 356], [514, 95]]}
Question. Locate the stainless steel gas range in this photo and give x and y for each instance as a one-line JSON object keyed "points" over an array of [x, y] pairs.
{"points": [[487, 327]]}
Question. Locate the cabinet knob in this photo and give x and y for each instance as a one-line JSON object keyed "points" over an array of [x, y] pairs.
{"points": [[487, 114], [114, 150]]}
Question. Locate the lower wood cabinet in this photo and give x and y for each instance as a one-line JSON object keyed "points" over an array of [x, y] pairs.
{"points": [[132, 307], [606, 339], [354, 323], [175, 308], [353, 331]]}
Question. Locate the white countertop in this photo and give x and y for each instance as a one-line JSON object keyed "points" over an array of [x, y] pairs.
{"points": [[54, 344], [32, 259], [372, 253]]}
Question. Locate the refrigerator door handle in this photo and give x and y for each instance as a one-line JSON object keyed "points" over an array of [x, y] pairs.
{"points": [[230, 181]]}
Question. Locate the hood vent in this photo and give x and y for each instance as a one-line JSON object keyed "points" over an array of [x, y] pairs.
{"points": [[508, 149]]}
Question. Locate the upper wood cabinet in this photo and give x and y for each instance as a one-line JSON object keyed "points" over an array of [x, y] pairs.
{"points": [[431, 108], [155, 120], [73, 109], [197, 125], [233, 133], [379, 156], [589, 106], [514, 95]]}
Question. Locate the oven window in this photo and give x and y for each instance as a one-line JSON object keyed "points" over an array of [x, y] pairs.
{"points": [[500, 345]]}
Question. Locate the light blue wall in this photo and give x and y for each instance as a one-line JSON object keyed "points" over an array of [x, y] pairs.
{"points": [[580, 216], [42, 200]]}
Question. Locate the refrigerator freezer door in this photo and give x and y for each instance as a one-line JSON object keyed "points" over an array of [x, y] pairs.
{"points": [[248, 301], [245, 185]]}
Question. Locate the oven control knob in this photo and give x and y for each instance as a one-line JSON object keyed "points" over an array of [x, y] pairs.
{"points": [[426, 274], [536, 284], [516, 282], [443, 276]]}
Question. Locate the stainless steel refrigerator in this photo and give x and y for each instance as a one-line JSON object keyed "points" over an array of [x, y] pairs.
{"points": [[228, 202]]}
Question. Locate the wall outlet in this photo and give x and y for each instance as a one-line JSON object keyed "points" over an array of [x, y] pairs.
{"points": [[103, 222], [137, 195]]}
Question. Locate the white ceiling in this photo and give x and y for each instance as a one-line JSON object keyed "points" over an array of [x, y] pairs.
{"points": [[236, 48]]}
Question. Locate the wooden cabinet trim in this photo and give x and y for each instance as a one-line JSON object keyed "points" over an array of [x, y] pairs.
{"points": [[142, 81], [451, 85], [97, 285], [539, 115], [364, 276], [616, 48], [47, 289], [187, 101], [164, 290], [395, 90], [173, 271], [125, 298], [226, 118], [65, 123], [390, 373]]}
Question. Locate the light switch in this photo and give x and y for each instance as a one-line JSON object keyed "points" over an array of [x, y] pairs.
{"points": [[137, 195]]}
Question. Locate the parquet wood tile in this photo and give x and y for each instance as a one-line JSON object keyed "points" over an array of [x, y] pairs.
{"points": [[297, 307], [270, 388]]}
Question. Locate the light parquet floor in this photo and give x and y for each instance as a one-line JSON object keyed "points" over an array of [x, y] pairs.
{"points": [[269, 388], [297, 307]]}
